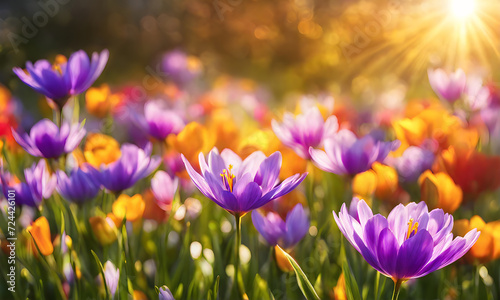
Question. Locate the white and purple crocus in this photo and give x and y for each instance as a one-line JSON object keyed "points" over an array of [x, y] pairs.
{"points": [[345, 154], [62, 81], [164, 188], [410, 243], [158, 121], [448, 87], [112, 277], [39, 185], [285, 233], [240, 186], [413, 163], [305, 130], [48, 141]]}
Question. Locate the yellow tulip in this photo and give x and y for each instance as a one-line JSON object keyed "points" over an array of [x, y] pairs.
{"points": [[104, 230], [387, 180], [99, 101], [130, 207], [101, 149], [259, 140], [364, 184]]}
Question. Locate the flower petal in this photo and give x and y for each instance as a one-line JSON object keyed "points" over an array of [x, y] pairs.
{"points": [[413, 254]]}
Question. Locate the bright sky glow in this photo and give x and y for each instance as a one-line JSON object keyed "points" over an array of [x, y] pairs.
{"points": [[462, 8]]}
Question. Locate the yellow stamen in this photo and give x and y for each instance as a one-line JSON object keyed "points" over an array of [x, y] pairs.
{"points": [[228, 177], [58, 68], [411, 228]]}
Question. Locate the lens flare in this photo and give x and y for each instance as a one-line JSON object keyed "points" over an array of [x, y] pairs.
{"points": [[462, 8]]}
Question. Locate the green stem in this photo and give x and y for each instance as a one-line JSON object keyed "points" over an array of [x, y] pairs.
{"points": [[397, 286], [310, 191], [476, 281], [377, 283], [240, 288], [76, 108], [59, 116]]}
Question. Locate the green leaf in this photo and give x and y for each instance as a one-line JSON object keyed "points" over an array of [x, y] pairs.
{"points": [[351, 287], [304, 284], [179, 291], [101, 270], [215, 293]]}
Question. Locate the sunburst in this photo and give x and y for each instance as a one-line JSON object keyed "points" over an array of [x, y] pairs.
{"points": [[425, 34]]}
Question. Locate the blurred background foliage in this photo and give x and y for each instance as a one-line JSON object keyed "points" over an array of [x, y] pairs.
{"points": [[289, 46]]}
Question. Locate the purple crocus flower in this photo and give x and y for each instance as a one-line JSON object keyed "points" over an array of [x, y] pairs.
{"points": [[413, 163], [165, 294], [79, 187], [305, 130], [111, 275], [48, 141], [448, 87], [241, 186], [164, 188], [490, 118], [133, 165], [284, 233], [39, 185], [477, 96], [65, 80], [346, 154], [180, 67], [158, 121], [68, 272], [412, 242]]}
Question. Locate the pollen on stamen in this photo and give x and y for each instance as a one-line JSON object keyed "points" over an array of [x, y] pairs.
{"points": [[412, 228], [228, 177]]}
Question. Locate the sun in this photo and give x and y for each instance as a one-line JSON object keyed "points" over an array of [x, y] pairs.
{"points": [[462, 8]]}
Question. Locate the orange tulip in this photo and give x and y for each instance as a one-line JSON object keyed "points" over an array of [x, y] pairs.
{"points": [[435, 124], [281, 260], [382, 181], [487, 247], [130, 207], [411, 132], [439, 190], [152, 211], [292, 163], [101, 149], [222, 125], [339, 292], [5, 98], [138, 295], [40, 231], [192, 140]]}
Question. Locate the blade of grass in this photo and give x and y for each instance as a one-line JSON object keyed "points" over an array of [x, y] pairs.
{"points": [[304, 284]]}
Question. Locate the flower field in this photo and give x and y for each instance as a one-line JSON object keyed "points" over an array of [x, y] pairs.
{"points": [[196, 185]]}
